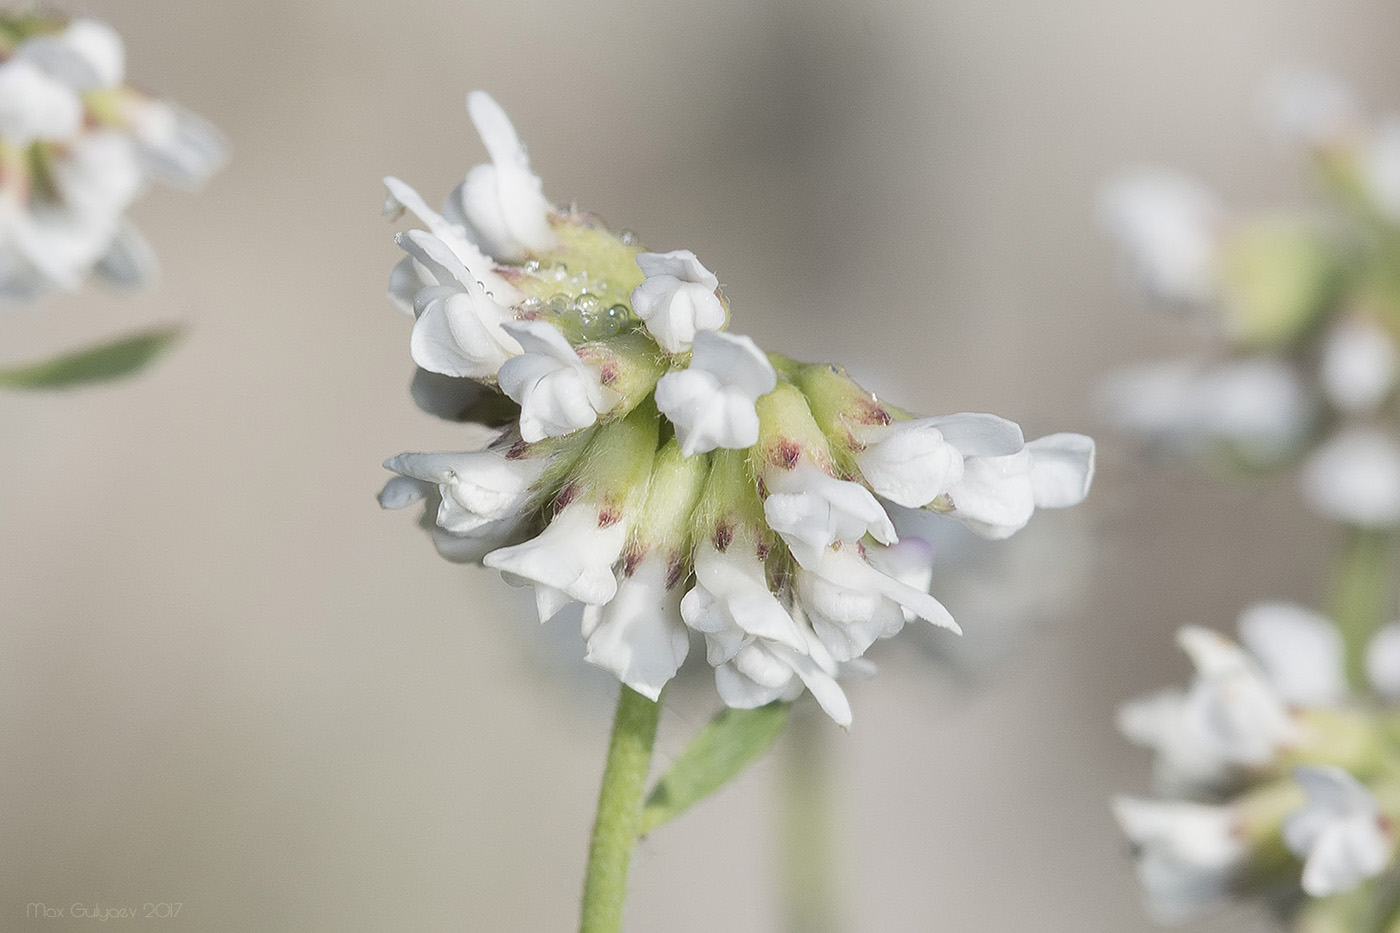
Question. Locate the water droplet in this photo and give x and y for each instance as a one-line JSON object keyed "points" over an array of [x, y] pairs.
{"points": [[629, 238], [531, 305], [532, 267], [615, 319], [588, 305], [560, 303], [559, 272]]}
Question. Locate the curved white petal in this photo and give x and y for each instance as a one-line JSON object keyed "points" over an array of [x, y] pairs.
{"points": [[503, 201], [908, 462], [86, 55], [1062, 469], [1167, 227], [1355, 478], [677, 298], [711, 404], [35, 106], [639, 635], [573, 555], [1188, 854], [812, 511], [558, 393], [1340, 833], [1300, 650]]}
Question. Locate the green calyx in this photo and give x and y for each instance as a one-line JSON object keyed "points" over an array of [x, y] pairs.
{"points": [[1280, 275], [788, 433], [614, 468], [629, 364], [839, 404], [673, 492], [730, 502]]}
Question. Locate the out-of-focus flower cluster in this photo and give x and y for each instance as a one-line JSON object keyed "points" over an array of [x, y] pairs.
{"points": [[1278, 777], [663, 472], [77, 147], [1306, 305]]}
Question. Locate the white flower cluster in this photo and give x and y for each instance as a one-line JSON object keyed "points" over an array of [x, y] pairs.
{"points": [[665, 473], [1310, 366], [77, 147], [1266, 752]]}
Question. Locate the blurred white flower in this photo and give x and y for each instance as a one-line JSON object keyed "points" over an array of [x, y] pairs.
{"points": [[1310, 108], [1340, 833], [77, 147], [1188, 855], [1354, 478], [1358, 366], [1230, 718], [1168, 228], [1300, 651]]}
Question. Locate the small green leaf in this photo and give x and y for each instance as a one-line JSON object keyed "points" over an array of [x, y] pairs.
{"points": [[732, 741], [114, 360]]}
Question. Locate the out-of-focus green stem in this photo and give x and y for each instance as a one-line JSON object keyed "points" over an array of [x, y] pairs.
{"points": [[1362, 595], [619, 818], [811, 901]]}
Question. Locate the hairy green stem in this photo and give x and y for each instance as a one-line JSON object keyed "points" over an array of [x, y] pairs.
{"points": [[619, 816], [811, 903], [1361, 596]]}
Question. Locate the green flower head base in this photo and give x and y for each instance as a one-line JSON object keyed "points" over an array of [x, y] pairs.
{"points": [[665, 472], [77, 147]]}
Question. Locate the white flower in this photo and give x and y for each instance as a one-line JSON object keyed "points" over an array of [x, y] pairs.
{"points": [[639, 635], [1340, 833], [1355, 478], [1359, 364], [557, 392], [1383, 661], [764, 671], [1168, 228], [465, 548], [177, 147], [732, 604], [35, 106], [1230, 718], [1188, 855], [1311, 108], [1379, 166], [570, 561], [913, 462], [85, 55], [1257, 405], [997, 495], [850, 603], [712, 402], [502, 201], [410, 276], [1300, 650], [476, 487], [460, 329], [677, 299], [812, 511]]}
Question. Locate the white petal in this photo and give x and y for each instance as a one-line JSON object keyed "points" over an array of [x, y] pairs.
{"points": [[976, 434], [35, 106], [573, 555], [908, 462], [129, 261], [712, 403], [1380, 167], [87, 54], [503, 201], [1310, 108], [1340, 832], [1188, 855], [178, 148], [639, 636], [1167, 226], [1358, 365], [677, 298], [996, 495], [812, 511], [1383, 661], [1299, 649], [1062, 468], [1355, 478]]}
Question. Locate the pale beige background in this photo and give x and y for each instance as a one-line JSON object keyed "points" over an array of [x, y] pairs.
{"points": [[228, 680]]}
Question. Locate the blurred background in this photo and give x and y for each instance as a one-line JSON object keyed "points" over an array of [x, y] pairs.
{"points": [[228, 680]]}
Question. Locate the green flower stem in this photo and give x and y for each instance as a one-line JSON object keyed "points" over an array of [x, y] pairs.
{"points": [[810, 888], [619, 818], [1361, 596]]}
